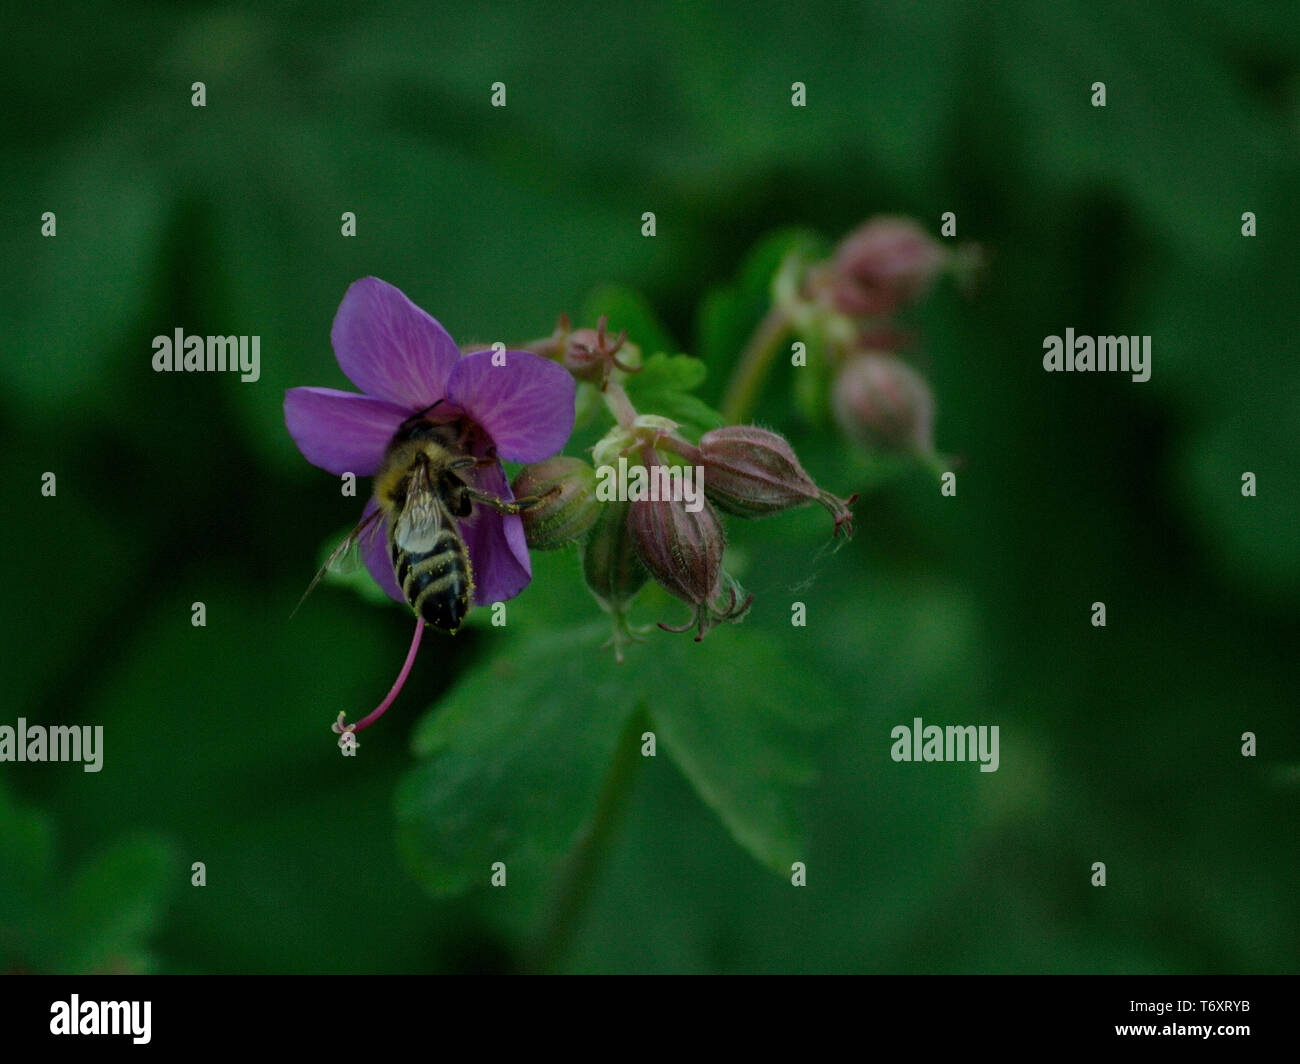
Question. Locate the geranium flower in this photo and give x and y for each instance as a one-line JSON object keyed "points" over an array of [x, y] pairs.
{"points": [[404, 362]]}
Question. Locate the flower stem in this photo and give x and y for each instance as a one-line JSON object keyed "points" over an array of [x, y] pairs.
{"points": [[751, 369], [380, 709], [579, 874], [620, 406]]}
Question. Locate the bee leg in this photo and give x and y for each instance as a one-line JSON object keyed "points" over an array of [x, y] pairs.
{"points": [[471, 463], [419, 414], [501, 506]]}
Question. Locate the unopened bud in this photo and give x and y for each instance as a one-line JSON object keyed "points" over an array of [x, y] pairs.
{"points": [[751, 472], [683, 552], [568, 508], [613, 572], [885, 264], [882, 402], [610, 564]]}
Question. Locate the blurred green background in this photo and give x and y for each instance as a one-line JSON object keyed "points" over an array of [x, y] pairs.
{"points": [[1119, 745]]}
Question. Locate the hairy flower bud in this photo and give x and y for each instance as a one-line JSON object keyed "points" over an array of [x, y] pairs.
{"points": [[882, 402], [613, 572], [569, 508], [683, 552], [610, 564], [751, 472], [883, 265]]}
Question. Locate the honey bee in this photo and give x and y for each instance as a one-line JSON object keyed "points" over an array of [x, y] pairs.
{"points": [[420, 490]]}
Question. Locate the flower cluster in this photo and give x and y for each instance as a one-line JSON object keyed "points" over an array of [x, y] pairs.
{"points": [[846, 308], [660, 520], [444, 530]]}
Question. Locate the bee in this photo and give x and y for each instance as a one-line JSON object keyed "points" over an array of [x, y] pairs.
{"points": [[421, 491]]}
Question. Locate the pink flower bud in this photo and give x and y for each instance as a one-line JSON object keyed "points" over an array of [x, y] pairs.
{"points": [[883, 403], [883, 265], [683, 552], [752, 472]]}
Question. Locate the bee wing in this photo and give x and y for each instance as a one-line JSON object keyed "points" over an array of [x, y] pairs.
{"points": [[346, 557], [420, 521], [343, 558]]}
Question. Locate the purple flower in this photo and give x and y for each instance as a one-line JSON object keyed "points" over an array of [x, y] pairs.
{"points": [[404, 361]]}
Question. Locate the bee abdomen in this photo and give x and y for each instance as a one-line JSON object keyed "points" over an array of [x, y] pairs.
{"points": [[437, 583]]}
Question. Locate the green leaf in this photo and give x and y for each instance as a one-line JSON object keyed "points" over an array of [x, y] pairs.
{"points": [[627, 309], [667, 373], [738, 721], [520, 751], [662, 388], [516, 759]]}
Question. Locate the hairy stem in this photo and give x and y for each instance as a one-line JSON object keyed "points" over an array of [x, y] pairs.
{"points": [[619, 405]]}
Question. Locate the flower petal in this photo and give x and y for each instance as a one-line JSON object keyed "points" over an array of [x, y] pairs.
{"points": [[526, 405], [498, 552], [374, 552], [389, 347], [341, 432]]}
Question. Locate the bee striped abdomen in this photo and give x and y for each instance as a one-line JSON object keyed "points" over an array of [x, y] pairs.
{"points": [[437, 583]]}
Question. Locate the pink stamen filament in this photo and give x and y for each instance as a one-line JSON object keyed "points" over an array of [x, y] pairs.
{"points": [[379, 710]]}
